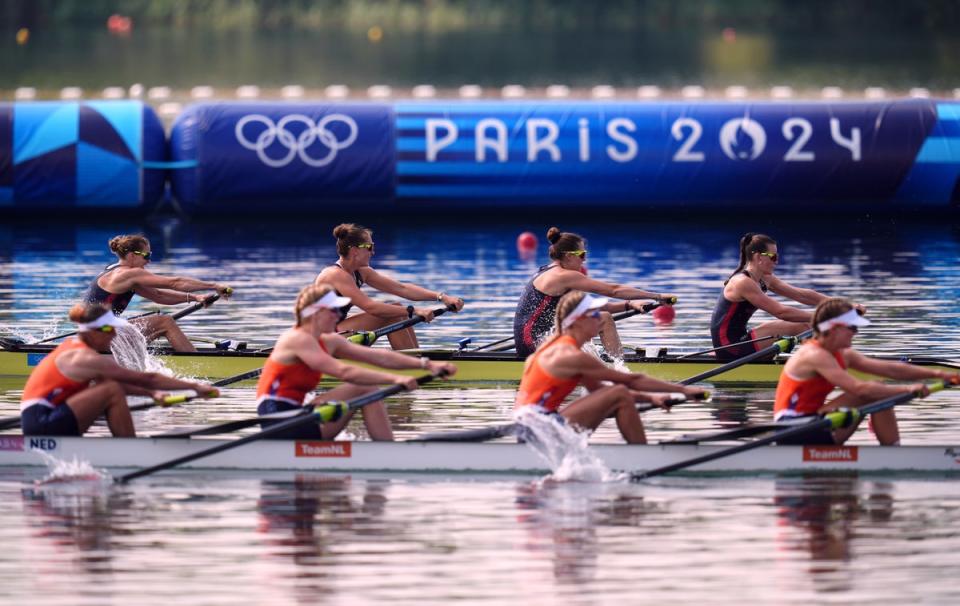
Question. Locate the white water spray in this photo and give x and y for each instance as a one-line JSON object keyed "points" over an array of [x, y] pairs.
{"points": [[564, 448]]}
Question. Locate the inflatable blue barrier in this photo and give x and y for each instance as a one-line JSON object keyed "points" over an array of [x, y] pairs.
{"points": [[468, 155], [323, 157], [73, 155]]}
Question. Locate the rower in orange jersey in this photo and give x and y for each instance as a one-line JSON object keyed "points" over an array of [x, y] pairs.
{"points": [[559, 365], [304, 353], [116, 285], [823, 363], [352, 270], [74, 384]]}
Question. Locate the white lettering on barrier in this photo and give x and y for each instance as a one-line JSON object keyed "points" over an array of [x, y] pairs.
{"points": [[434, 145], [547, 144], [741, 139], [498, 144]]}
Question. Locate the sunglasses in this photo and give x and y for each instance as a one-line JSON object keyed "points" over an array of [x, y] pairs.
{"points": [[367, 245], [772, 256], [852, 329], [105, 328], [146, 255], [593, 314], [578, 253]]}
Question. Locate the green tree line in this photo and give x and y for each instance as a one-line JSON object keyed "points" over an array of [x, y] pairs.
{"points": [[840, 16]]}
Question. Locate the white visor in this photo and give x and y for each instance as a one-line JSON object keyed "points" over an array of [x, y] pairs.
{"points": [[850, 318], [327, 301], [107, 319], [589, 302]]}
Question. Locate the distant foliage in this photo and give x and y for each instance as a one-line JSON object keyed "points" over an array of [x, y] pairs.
{"points": [[843, 17]]}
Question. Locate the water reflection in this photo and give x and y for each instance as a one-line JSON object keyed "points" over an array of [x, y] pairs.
{"points": [[76, 517], [561, 522], [820, 515]]}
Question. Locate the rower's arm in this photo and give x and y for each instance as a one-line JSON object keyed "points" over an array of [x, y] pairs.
{"points": [[891, 369], [314, 357], [94, 366], [824, 364], [344, 284], [163, 296], [807, 296], [410, 292], [144, 278], [385, 358], [578, 281], [749, 290]]}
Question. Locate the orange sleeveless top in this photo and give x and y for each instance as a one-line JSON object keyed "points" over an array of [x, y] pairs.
{"points": [[287, 382], [47, 385], [540, 388], [796, 397]]}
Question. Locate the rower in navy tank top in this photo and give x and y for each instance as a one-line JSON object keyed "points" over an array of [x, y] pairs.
{"points": [[116, 285], [352, 271], [117, 302], [536, 309], [745, 291], [533, 319]]}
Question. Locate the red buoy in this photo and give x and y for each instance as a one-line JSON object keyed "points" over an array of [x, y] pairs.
{"points": [[664, 314], [526, 242]]}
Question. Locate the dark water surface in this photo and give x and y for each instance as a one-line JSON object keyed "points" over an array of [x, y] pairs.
{"points": [[253, 538]]}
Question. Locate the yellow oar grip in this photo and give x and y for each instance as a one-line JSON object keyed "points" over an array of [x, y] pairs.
{"points": [[332, 411]]}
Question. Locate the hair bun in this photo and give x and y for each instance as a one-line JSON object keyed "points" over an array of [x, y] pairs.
{"points": [[553, 234], [342, 230]]}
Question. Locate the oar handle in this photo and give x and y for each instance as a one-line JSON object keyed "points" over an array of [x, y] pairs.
{"points": [[207, 302]]}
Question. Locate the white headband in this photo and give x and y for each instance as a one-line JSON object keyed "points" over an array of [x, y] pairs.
{"points": [[586, 304], [107, 319], [850, 318], [328, 301]]}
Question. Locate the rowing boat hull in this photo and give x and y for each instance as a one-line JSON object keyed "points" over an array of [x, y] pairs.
{"points": [[439, 457], [471, 366]]}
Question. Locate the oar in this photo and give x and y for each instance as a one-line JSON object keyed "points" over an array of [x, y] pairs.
{"points": [[170, 400], [186, 311], [722, 347], [483, 434], [369, 337], [784, 345], [231, 426], [829, 421], [325, 412], [508, 343]]}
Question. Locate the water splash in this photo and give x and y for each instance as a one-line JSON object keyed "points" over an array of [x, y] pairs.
{"points": [[129, 349], [70, 471], [565, 449]]}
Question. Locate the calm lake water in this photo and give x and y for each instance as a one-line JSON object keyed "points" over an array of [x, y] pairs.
{"points": [[283, 538]]}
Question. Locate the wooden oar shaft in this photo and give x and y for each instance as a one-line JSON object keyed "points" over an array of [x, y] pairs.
{"points": [[832, 420], [273, 430]]}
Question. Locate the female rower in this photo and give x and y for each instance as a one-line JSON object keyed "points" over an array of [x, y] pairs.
{"points": [[536, 309], [559, 365], [74, 384], [117, 284], [822, 364], [352, 270], [304, 353], [745, 291]]}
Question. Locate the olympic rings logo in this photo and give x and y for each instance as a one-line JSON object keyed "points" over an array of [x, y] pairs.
{"points": [[296, 145]]}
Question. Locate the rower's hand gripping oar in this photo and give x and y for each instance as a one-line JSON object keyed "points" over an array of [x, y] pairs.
{"points": [[829, 421], [369, 337], [324, 413], [646, 308], [186, 311]]}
